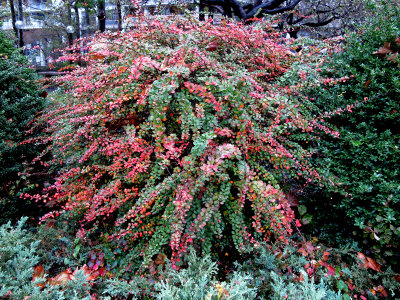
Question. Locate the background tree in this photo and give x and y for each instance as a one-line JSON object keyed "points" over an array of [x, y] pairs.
{"points": [[101, 15], [13, 17], [306, 13]]}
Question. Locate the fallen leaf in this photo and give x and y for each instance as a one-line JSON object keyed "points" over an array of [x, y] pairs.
{"points": [[393, 57], [381, 290], [373, 264], [382, 52], [38, 272], [61, 278], [310, 248], [160, 259], [368, 262]]}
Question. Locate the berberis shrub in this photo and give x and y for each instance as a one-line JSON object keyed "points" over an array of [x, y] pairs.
{"points": [[174, 134]]}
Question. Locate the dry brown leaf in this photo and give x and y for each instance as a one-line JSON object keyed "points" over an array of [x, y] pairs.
{"points": [[383, 51], [368, 262], [160, 259]]}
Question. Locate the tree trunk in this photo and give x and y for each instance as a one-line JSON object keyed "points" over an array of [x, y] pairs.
{"points": [[227, 9], [69, 13], [119, 11], [21, 18], [77, 22], [201, 11], [101, 15], [13, 17], [87, 17]]}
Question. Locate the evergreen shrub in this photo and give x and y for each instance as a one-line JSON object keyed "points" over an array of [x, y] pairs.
{"points": [[19, 102], [358, 92]]}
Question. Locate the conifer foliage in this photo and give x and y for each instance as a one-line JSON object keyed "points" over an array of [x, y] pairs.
{"points": [[174, 134]]}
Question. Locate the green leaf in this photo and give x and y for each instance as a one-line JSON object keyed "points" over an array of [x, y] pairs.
{"points": [[302, 210], [306, 219], [201, 143], [342, 286], [76, 251]]}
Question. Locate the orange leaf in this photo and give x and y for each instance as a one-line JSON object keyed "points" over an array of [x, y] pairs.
{"points": [[62, 278], [325, 256], [381, 290], [93, 276], [38, 272], [368, 262], [373, 264]]}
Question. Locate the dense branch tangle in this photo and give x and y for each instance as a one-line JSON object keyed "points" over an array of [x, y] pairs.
{"points": [[310, 13], [247, 11]]}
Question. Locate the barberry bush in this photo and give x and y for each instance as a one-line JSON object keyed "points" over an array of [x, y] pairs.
{"points": [[175, 134]]}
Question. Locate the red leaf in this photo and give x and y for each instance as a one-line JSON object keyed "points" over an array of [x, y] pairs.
{"points": [[331, 270], [102, 271]]}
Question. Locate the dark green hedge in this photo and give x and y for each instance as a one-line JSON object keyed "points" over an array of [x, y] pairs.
{"points": [[366, 156], [19, 102]]}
